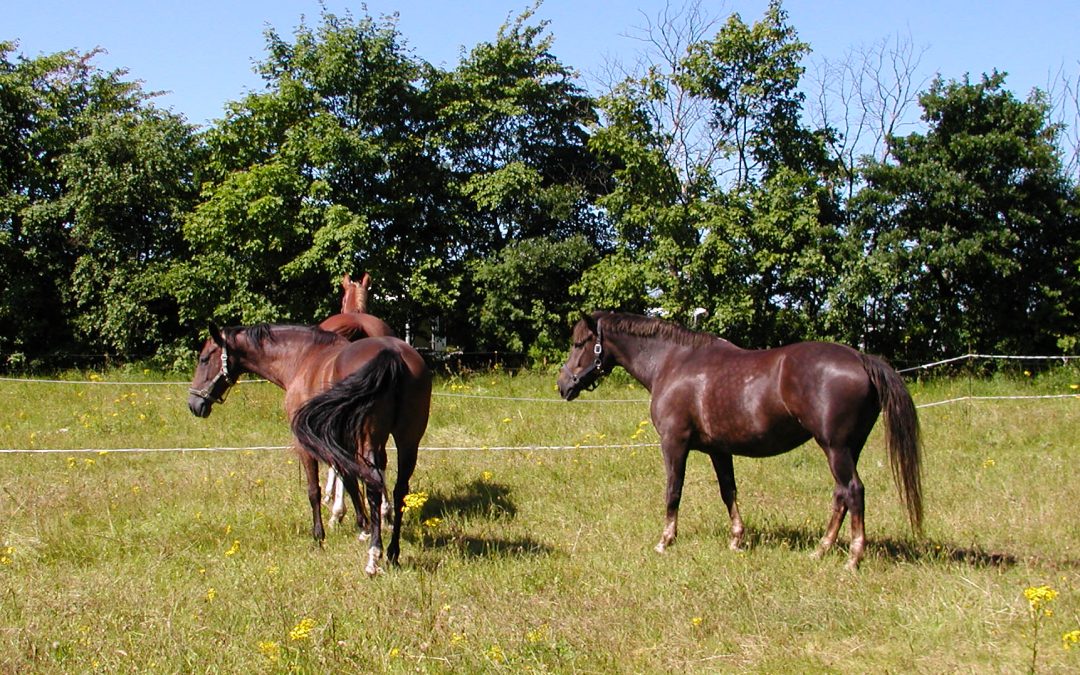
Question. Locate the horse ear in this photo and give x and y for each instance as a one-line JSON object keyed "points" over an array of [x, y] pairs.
{"points": [[589, 321], [215, 335], [345, 281]]}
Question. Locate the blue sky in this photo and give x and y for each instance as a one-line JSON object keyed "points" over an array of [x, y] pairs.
{"points": [[201, 51]]}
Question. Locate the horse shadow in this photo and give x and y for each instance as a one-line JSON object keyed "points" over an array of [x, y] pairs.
{"points": [[901, 550], [478, 499]]}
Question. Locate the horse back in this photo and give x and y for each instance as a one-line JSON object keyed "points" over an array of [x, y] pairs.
{"points": [[760, 402]]}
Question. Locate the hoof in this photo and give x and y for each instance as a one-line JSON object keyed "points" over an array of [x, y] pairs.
{"points": [[372, 568], [660, 548]]}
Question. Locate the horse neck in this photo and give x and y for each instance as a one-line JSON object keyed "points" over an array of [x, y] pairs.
{"points": [[276, 360], [642, 357]]}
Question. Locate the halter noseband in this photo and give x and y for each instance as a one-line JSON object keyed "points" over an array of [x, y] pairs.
{"points": [[206, 392], [596, 365]]}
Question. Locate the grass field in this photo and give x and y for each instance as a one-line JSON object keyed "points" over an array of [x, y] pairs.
{"points": [[531, 559]]}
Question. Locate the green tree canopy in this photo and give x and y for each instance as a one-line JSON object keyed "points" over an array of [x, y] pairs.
{"points": [[968, 241]]}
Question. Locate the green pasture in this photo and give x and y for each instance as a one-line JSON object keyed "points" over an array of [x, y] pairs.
{"points": [[532, 559]]}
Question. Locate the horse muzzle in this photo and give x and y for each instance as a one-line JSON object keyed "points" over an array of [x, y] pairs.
{"points": [[570, 385], [199, 406]]}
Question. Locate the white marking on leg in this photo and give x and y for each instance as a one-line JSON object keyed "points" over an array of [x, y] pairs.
{"points": [[337, 511], [668, 537], [331, 479], [374, 556]]}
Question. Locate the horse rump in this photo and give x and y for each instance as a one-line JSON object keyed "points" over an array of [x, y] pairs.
{"points": [[330, 426]]}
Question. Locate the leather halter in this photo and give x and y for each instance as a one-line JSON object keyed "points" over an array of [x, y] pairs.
{"points": [[206, 393], [596, 365]]}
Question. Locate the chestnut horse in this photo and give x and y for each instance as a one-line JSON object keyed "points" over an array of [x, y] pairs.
{"points": [[708, 394], [344, 399], [353, 323]]}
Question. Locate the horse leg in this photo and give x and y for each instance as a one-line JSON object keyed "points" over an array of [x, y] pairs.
{"points": [[311, 470], [406, 463], [328, 489], [675, 453], [351, 486], [335, 493], [848, 496], [375, 497], [725, 475]]}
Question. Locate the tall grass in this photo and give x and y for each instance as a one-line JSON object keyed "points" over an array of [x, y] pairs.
{"points": [[526, 560]]}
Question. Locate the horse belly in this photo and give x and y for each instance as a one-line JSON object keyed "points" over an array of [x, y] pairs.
{"points": [[746, 418]]}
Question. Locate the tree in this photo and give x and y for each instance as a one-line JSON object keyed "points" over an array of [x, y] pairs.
{"points": [[327, 171], [89, 169], [721, 200], [130, 181], [523, 291], [968, 241], [750, 77]]}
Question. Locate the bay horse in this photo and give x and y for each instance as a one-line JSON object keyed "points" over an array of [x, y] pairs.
{"points": [[352, 323], [710, 395], [344, 399]]}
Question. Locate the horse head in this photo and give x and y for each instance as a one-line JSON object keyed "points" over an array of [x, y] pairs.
{"points": [[212, 376], [586, 363], [355, 294]]}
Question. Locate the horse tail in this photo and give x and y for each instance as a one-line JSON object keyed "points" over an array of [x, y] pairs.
{"points": [[902, 434], [329, 426]]}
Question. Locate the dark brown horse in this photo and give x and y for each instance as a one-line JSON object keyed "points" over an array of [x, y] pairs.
{"points": [[712, 396], [344, 399]]}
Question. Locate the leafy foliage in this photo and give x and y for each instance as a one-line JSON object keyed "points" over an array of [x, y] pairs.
{"points": [[498, 197]]}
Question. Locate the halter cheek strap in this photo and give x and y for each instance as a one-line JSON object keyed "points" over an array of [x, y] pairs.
{"points": [[205, 393], [596, 365]]}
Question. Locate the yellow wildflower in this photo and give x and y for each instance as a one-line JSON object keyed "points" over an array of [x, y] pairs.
{"points": [[211, 593], [234, 549], [414, 501], [696, 621], [1069, 639], [487, 476], [270, 650], [537, 635], [1039, 597], [496, 654], [302, 630], [432, 522]]}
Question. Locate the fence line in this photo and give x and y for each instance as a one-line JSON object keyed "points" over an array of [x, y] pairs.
{"points": [[497, 448], [106, 451], [925, 366], [1003, 357], [434, 448]]}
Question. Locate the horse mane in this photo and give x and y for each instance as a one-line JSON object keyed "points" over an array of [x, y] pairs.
{"points": [[262, 333], [649, 327]]}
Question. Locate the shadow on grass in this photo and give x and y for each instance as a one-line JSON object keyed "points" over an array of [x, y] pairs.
{"points": [[900, 550], [476, 500]]}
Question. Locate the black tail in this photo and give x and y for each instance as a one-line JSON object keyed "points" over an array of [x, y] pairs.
{"points": [[329, 425], [902, 435]]}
